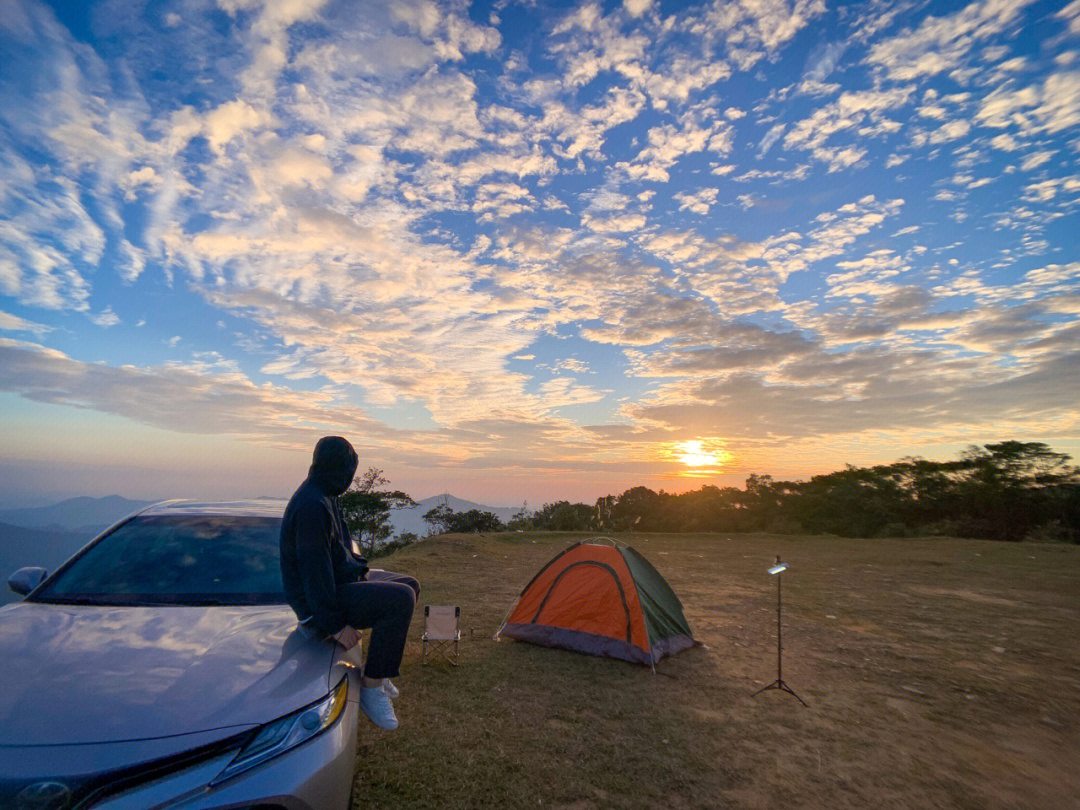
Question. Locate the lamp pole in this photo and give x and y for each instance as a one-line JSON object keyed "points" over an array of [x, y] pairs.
{"points": [[778, 568], [779, 629]]}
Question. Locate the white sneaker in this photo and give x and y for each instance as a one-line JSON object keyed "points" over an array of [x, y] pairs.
{"points": [[392, 691], [377, 706]]}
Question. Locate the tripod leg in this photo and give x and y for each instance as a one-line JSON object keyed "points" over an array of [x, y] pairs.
{"points": [[773, 685], [791, 692]]}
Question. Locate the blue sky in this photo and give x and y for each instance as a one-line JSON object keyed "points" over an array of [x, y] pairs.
{"points": [[531, 250]]}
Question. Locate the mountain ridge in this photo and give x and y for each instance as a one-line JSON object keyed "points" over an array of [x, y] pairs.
{"points": [[73, 514]]}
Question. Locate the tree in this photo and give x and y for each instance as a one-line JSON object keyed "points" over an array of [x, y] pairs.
{"points": [[605, 512], [475, 521], [637, 509], [444, 520], [521, 520], [1012, 487], [563, 516], [439, 519], [366, 505], [1010, 490]]}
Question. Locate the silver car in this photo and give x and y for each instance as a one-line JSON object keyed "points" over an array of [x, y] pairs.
{"points": [[161, 668]]}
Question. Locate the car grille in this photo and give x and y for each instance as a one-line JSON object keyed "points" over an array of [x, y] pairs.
{"points": [[40, 794], [63, 792]]}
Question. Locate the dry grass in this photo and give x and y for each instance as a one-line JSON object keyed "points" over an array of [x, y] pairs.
{"points": [[939, 673]]}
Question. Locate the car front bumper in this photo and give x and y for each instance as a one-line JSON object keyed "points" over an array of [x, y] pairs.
{"points": [[316, 775]]}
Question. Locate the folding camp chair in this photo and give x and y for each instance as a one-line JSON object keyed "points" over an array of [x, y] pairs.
{"points": [[441, 631]]}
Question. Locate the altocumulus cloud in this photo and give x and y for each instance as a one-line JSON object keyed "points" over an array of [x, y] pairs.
{"points": [[549, 237]]}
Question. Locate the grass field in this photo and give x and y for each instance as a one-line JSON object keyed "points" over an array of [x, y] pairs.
{"points": [[939, 673]]}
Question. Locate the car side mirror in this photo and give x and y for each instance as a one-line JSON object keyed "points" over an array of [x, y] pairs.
{"points": [[26, 579]]}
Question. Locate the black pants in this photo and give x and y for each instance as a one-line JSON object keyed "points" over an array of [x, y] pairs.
{"points": [[384, 603]]}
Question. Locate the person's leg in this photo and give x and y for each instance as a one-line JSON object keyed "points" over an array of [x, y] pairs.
{"points": [[379, 575], [386, 608]]}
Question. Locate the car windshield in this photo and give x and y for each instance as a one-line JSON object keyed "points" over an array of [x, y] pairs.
{"points": [[176, 560]]}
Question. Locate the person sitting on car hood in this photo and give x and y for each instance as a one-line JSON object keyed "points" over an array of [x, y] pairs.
{"points": [[333, 591]]}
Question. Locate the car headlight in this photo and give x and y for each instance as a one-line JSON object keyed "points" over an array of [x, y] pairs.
{"points": [[288, 732]]}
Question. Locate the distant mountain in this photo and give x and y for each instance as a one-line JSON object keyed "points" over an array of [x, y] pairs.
{"points": [[74, 514], [20, 547], [411, 519]]}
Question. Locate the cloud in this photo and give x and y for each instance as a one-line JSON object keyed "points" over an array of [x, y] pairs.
{"points": [[771, 137], [402, 208], [175, 398], [13, 323], [921, 397], [950, 132], [563, 391], [1071, 13], [1047, 190], [1053, 106], [699, 202], [105, 318], [635, 8], [194, 400], [624, 223], [941, 44], [668, 143], [1036, 159], [753, 25], [862, 110], [823, 61], [224, 123]]}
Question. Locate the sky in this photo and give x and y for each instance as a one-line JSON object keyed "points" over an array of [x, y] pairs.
{"points": [[531, 250]]}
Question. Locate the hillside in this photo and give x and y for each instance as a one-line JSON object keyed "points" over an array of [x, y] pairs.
{"points": [[939, 673]]}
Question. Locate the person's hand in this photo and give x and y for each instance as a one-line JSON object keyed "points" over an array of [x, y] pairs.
{"points": [[348, 637]]}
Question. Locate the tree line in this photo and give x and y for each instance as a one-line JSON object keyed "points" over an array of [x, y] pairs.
{"points": [[1004, 491]]}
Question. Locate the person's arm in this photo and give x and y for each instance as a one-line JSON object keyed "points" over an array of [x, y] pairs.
{"points": [[313, 538], [353, 567]]}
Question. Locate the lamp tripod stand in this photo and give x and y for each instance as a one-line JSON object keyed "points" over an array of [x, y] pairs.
{"points": [[777, 570]]}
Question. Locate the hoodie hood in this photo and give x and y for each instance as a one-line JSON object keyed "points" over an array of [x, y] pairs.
{"points": [[333, 465]]}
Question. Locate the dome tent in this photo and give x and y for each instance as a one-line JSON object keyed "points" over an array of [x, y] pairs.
{"points": [[601, 600]]}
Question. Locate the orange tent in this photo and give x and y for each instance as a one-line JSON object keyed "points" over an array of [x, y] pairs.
{"points": [[602, 600]]}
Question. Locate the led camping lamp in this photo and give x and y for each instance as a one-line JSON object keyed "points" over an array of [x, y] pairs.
{"points": [[776, 570]]}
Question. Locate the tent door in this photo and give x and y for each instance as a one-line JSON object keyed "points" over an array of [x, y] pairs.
{"points": [[565, 571]]}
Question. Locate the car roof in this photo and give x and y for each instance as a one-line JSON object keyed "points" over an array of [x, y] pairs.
{"points": [[259, 507]]}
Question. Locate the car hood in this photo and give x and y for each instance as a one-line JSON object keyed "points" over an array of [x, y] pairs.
{"points": [[82, 674]]}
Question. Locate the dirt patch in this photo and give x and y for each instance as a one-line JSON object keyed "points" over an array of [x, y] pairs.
{"points": [[960, 593]]}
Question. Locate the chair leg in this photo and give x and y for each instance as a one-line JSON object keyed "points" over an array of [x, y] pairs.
{"points": [[448, 650]]}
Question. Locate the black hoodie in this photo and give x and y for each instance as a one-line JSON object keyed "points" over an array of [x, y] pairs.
{"points": [[315, 546]]}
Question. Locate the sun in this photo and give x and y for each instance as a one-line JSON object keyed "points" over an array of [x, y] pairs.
{"points": [[696, 455]]}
